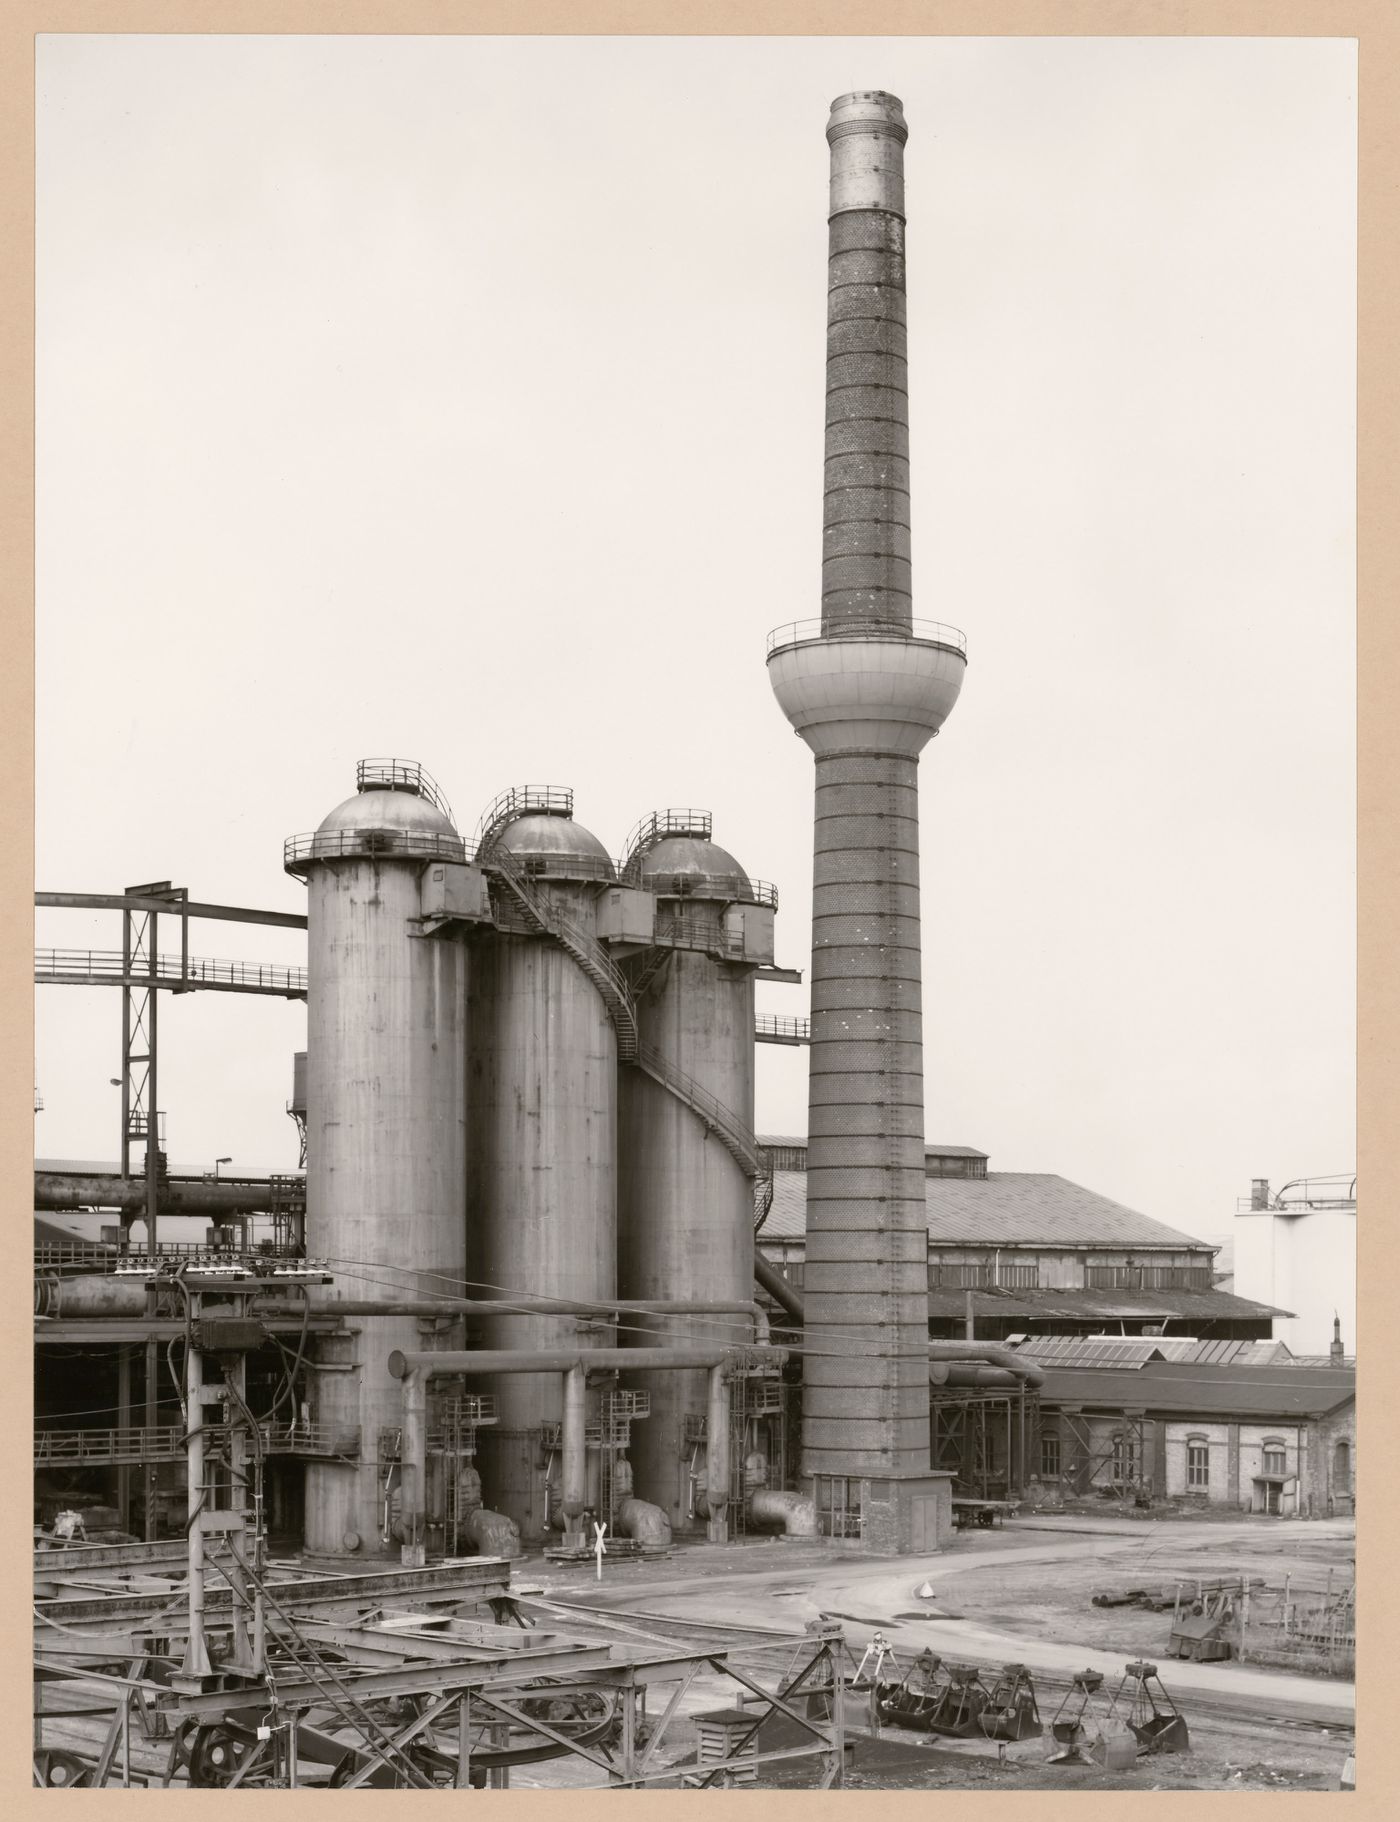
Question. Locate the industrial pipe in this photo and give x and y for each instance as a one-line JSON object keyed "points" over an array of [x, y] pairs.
{"points": [[105, 1294], [717, 1458], [797, 1516], [969, 1373], [575, 1363], [413, 1464], [640, 1520], [575, 1452], [1032, 1376], [178, 1196], [547, 1306], [97, 1295], [770, 1279], [1007, 1358], [597, 1360]]}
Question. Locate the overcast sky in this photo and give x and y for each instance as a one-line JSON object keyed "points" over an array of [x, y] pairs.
{"points": [[462, 399]]}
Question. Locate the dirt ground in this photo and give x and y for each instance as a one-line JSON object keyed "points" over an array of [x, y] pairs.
{"points": [[1025, 1593]]}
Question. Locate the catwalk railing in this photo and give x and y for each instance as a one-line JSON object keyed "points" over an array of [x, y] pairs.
{"points": [[924, 632], [110, 968], [168, 1442]]}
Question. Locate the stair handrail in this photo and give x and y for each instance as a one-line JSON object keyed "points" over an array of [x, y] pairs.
{"points": [[658, 826], [585, 949], [520, 800], [402, 775], [738, 1138], [763, 1190]]}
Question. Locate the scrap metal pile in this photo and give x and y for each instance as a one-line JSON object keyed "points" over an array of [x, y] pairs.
{"points": [[399, 1684]]}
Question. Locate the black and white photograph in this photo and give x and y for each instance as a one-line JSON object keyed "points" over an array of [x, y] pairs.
{"points": [[695, 912]]}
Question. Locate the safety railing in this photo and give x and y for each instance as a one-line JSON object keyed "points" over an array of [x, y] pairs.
{"points": [[922, 632], [773, 1028], [660, 825], [722, 888], [53, 1255], [401, 775], [590, 955], [521, 800], [731, 1131], [560, 866], [82, 967], [299, 851], [691, 930], [167, 1442], [89, 1256]]}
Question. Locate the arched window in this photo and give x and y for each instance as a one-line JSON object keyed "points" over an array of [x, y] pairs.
{"points": [[1197, 1464], [1275, 1461], [1341, 1467]]}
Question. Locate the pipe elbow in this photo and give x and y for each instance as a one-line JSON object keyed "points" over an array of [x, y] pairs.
{"points": [[797, 1516], [644, 1522], [493, 1533]]}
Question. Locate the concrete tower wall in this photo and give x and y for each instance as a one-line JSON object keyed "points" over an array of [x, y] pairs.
{"points": [[542, 1182], [386, 1132], [685, 1208]]}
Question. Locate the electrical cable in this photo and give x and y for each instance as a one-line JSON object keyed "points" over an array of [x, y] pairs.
{"points": [[603, 1306], [289, 1383]]}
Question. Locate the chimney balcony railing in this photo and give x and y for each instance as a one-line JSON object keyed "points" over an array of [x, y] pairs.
{"points": [[921, 632]]}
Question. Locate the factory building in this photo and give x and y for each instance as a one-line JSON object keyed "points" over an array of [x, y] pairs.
{"points": [[1123, 1420], [1031, 1252]]}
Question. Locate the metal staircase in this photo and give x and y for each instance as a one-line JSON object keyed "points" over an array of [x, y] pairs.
{"points": [[590, 954], [727, 1127], [763, 1191]]}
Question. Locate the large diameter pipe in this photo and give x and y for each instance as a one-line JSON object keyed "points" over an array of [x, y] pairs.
{"points": [[58, 1190], [575, 1451], [967, 1373], [987, 1351], [414, 1370], [797, 1516], [770, 1279], [97, 1295], [548, 1306], [413, 1463], [595, 1360], [940, 1352], [717, 1457], [105, 1294]]}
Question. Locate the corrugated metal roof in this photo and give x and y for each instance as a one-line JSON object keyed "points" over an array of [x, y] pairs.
{"points": [[1117, 1351], [1004, 1208], [1104, 1306], [1195, 1388]]}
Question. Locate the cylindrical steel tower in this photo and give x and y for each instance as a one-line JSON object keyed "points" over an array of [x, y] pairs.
{"points": [[542, 1110], [385, 1116], [866, 687], [685, 1203]]}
